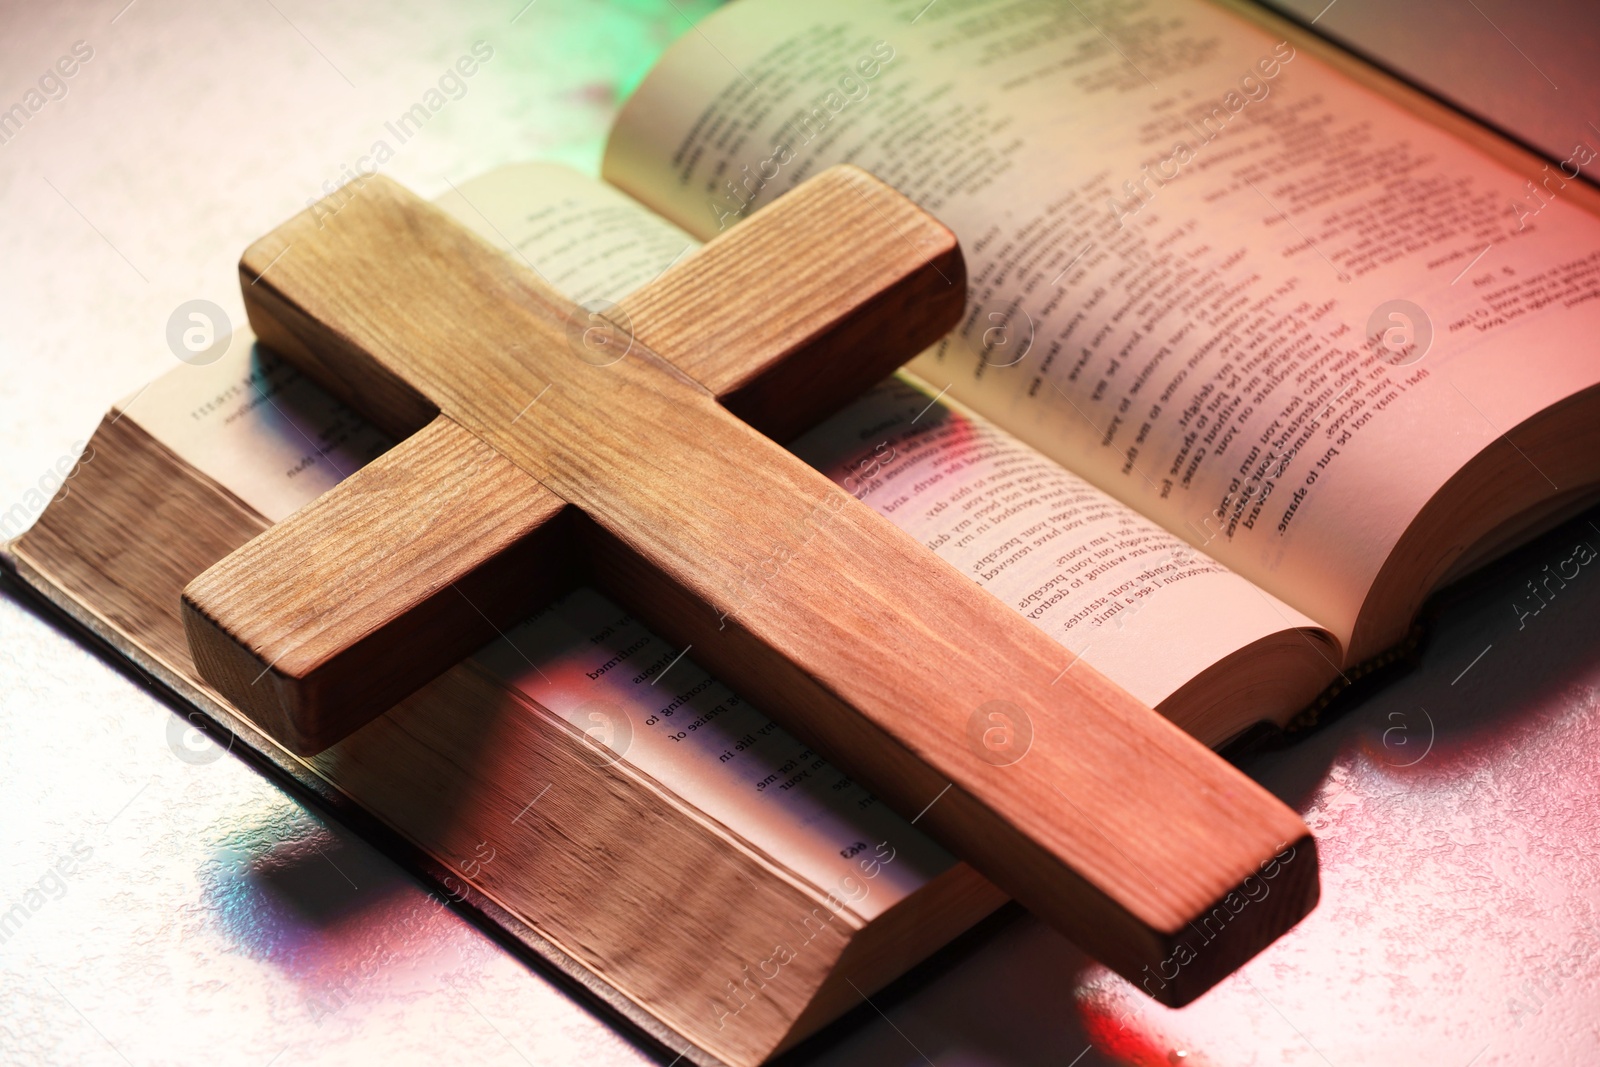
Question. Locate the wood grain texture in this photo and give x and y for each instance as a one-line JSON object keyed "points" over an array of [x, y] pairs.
{"points": [[1114, 826], [610, 874], [749, 318], [448, 544]]}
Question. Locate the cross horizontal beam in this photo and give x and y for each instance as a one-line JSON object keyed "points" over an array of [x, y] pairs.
{"points": [[449, 545], [1114, 825]]}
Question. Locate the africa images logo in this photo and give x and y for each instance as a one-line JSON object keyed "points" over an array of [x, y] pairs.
{"points": [[1400, 332]]}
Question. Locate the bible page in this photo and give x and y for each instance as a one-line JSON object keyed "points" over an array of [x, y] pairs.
{"points": [[1143, 607], [1252, 299]]}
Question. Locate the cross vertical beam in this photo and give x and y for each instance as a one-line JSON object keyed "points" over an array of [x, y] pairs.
{"points": [[1115, 826]]}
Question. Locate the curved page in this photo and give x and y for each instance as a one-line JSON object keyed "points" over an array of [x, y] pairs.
{"points": [[1257, 302]]}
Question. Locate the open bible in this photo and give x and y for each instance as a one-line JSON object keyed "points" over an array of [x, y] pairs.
{"points": [[1260, 351]]}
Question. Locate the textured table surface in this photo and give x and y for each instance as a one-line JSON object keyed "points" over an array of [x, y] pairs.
{"points": [[204, 916]]}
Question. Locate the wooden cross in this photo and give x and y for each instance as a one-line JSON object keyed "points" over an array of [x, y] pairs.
{"points": [[545, 446]]}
